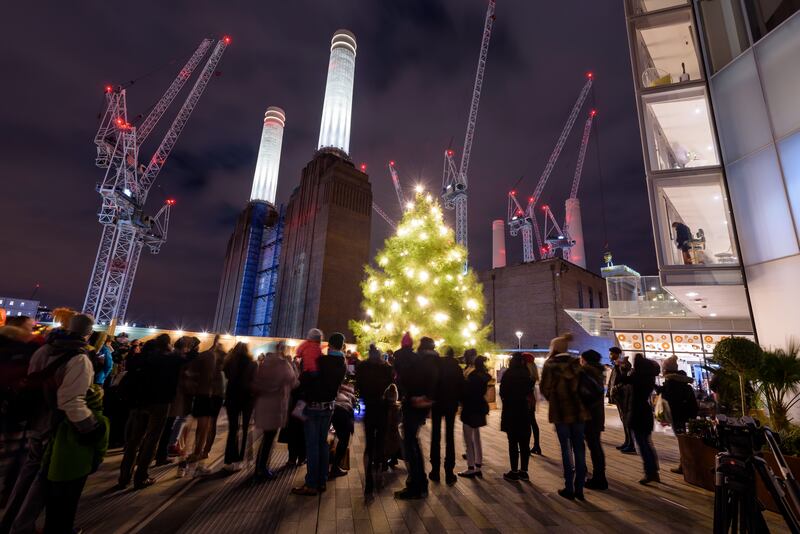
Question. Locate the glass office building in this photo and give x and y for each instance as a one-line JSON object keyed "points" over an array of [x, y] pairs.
{"points": [[718, 94]]}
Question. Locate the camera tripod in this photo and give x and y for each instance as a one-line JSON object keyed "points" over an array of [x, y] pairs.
{"points": [[736, 507]]}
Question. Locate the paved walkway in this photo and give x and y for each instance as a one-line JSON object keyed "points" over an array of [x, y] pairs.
{"points": [[224, 502]]}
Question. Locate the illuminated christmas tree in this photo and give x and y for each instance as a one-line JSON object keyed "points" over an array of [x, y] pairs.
{"points": [[420, 286]]}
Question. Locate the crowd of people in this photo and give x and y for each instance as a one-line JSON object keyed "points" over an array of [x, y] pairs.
{"points": [[70, 393]]}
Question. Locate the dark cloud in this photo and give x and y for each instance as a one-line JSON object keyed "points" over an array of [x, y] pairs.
{"points": [[414, 75]]}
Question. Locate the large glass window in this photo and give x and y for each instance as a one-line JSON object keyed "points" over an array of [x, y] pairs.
{"points": [[789, 149], [665, 49], [762, 212], [725, 30], [766, 15], [678, 127], [640, 7], [694, 223]]}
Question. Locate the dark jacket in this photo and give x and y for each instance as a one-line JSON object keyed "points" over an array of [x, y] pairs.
{"points": [[679, 394], [449, 386], [642, 381], [404, 360], [474, 406], [516, 388], [418, 376], [614, 393], [15, 356], [323, 385], [152, 375], [240, 373], [373, 376], [559, 386], [597, 411]]}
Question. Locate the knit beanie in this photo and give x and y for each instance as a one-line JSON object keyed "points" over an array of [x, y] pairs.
{"points": [[560, 344], [591, 356], [315, 334], [391, 394], [670, 365], [81, 324], [407, 341], [336, 341]]}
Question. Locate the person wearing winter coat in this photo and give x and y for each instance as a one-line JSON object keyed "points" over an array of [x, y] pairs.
{"points": [[677, 391], [104, 358], [373, 376], [343, 423], [393, 443], [239, 369], [309, 351], [619, 394], [560, 379], [70, 460], [64, 399], [272, 385], [449, 390], [530, 363], [150, 382], [590, 364], [417, 379], [474, 409], [320, 389], [642, 380], [516, 388]]}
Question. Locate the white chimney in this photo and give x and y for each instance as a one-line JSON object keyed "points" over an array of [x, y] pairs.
{"points": [[334, 131], [265, 180], [498, 244]]}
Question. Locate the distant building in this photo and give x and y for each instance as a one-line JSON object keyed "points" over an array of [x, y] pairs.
{"points": [[533, 298], [16, 306], [325, 247], [716, 85]]}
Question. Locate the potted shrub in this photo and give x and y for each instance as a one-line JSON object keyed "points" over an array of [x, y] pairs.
{"points": [[778, 379], [743, 357]]}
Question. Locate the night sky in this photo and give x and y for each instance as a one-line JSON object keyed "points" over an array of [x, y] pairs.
{"points": [[414, 74]]}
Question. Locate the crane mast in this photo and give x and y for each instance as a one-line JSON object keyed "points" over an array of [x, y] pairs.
{"points": [[125, 185], [384, 216], [401, 198], [587, 131], [454, 181], [529, 218]]}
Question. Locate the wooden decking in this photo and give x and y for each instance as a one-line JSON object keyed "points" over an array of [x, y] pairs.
{"points": [[225, 502]]}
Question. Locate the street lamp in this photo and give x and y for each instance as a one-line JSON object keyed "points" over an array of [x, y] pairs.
{"points": [[518, 333]]}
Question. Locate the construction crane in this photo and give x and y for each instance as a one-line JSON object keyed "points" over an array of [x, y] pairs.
{"points": [[401, 198], [126, 184], [525, 222], [454, 181], [384, 216]]}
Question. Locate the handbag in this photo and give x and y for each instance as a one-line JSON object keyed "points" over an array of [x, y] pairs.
{"points": [[662, 412]]}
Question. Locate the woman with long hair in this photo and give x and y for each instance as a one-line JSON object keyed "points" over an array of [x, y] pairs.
{"points": [[239, 369], [474, 409], [516, 388]]}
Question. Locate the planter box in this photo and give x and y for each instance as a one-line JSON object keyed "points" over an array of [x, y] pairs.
{"points": [[697, 461]]}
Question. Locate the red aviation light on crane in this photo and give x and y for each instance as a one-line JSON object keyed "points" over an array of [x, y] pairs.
{"points": [[108, 89], [226, 39], [590, 75], [530, 199], [512, 193], [170, 202], [545, 207], [593, 113], [363, 167], [391, 163], [449, 152]]}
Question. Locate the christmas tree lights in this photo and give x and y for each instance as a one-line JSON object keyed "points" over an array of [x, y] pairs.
{"points": [[419, 286]]}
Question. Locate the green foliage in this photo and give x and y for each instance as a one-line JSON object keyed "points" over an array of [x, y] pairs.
{"points": [[790, 440], [419, 286], [741, 356], [701, 428], [778, 378]]}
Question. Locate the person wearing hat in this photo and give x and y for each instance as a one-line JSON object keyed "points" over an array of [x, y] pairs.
{"points": [[560, 380], [678, 392], [320, 389], [619, 395], [65, 356], [642, 382], [590, 364], [309, 351]]}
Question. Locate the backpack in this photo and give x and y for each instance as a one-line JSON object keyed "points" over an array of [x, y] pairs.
{"points": [[589, 390], [34, 390]]}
